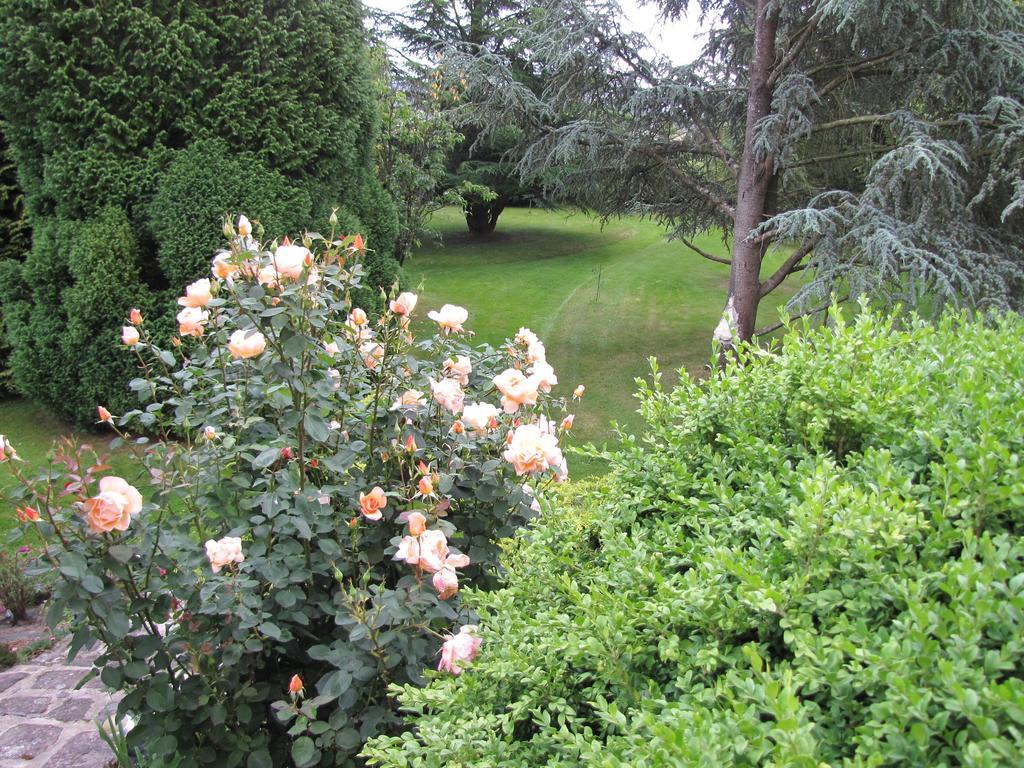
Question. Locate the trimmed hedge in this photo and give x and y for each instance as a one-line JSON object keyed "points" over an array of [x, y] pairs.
{"points": [[178, 113], [814, 558]]}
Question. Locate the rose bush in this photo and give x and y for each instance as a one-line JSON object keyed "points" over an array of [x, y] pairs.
{"points": [[311, 510]]}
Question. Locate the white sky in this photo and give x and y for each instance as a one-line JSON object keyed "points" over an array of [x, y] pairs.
{"points": [[680, 41]]}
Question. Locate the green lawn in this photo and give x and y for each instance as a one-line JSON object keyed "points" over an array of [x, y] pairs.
{"points": [[603, 300]]}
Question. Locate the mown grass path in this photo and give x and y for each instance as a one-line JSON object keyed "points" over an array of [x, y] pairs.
{"points": [[604, 300]]}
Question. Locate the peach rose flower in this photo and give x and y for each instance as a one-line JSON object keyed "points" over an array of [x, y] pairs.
{"points": [[191, 321], [543, 375], [425, 486], [434, 554], [244, 226], [135, 316], [448, 394], [197, 294], [411, 398], [516, 390], [458, 369], [224, 552], [129, 335], [578, 392], [372, 353], [221, 265], [409, 550], [244, 344], [526, 337], [112, 508], [358, 316], [536, 353], [450, 318], [417, 523], [568, 421], [446, 582], [103, 413], [459, 649], [477, 417], [286, 263], [295, 685], [533, 450], [404, 304], [6, 449], [371, 504]]}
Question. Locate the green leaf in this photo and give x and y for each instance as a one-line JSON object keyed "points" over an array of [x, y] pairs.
{"points": [[266, 458], [303, 752]]}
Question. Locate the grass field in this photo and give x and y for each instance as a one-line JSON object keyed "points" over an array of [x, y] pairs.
{"points": [[604, 300]]}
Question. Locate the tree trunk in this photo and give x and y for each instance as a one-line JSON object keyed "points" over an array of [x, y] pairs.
{"points": [[482, 218], [740, 314]]}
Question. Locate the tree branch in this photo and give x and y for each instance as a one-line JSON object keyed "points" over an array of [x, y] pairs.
{"points": [[839, 156], [775, 326], [793, 52], [705, 254], [716, 200], [850, 73], [788, 266], [723, 153]]}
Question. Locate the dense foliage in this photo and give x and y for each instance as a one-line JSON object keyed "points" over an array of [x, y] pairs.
{"points": [[331, 464], [175, 113], [814, 558], [482, 176], [875, 143]]}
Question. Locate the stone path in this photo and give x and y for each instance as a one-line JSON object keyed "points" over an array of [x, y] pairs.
{"points": [[44, 721]]}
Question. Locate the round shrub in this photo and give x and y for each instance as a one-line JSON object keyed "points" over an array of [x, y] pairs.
{"points": [[322, 487], [178, 113], [814, 558], [203, 183]]}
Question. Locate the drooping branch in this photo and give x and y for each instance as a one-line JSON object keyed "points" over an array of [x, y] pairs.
{"points": [[716, 200], [705, 254], [788, 266], [721, 151]]}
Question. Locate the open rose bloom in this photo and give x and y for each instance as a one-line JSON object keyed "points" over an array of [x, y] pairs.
{"points": [[459, 649], [113, 507]]}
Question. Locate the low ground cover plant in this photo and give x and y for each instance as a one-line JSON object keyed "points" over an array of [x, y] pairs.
{"points": [[814, 558], [323, 485]]}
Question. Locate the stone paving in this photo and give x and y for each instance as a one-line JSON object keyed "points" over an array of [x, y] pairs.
{"points": [[44, 721]]}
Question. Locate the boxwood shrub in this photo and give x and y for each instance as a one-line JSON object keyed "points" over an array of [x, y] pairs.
{"points": [[813, 558]]}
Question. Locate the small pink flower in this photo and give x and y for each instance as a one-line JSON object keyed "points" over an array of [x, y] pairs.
{"points": [[332, 348], [411, 398], [129, 335], [450, 318], [516, 389], [532, 450], [448, 394], [135, 316], [404, 304], [409, 550], [191, 321], [458, 369], [477, 417], [543, 376], [459, 649], [446, 582], [224, 552]]}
